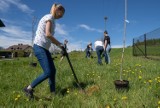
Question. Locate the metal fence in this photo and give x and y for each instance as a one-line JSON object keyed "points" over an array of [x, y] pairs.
{"points": [[147, 45]]}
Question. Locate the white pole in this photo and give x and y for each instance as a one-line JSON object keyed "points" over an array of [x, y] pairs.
{"points": [[124, 39]]}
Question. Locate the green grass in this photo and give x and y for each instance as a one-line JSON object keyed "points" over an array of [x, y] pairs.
{"points": [[143, 76], [151, 50]]}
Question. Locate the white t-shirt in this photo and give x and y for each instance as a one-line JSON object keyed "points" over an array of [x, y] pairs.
{"points": [[40, 38], [98, 43]]}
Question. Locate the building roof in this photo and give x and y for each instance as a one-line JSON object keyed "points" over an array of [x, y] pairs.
{"points": [[18, 47], [1, 24]]}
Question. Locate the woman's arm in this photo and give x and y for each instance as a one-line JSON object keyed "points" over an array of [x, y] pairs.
{"points": [[49, 33]]}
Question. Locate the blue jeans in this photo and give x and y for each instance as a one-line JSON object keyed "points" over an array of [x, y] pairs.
{"points": [[107, 57], [88, 54], [47, 64], [99, 51]]}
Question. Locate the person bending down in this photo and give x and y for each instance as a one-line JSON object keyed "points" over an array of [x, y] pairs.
{"points": [[43, 39]]}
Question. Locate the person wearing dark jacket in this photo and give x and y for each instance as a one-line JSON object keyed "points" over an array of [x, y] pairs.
{"points": [[107, 47], [89, 50]]}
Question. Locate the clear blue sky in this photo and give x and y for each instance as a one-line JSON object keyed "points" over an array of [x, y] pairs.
{"points": [[83, 21]]}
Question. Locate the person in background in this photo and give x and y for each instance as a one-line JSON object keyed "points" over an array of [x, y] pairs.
{"points": [[43, 39], [89, 50], [99, 50], [62, 52], [107, 47], [103, 48]]}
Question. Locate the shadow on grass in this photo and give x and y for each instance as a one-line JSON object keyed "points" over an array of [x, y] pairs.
{"points": [[53, 58], [81, 86]]}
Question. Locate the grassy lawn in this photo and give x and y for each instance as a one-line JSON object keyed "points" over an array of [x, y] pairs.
{"points": [[152, 50], [143, 76]]}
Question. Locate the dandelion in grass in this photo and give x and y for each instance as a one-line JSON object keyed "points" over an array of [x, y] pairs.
{"points": [[139, 77], [157, 78], [18, 96], [138, 65], [27, 100], [140, 71], [114, 99], [67, 90], [145, 82], [107, 106], [124, 98], [158, 102], [16, 99], [150, 81], [75, 93]]}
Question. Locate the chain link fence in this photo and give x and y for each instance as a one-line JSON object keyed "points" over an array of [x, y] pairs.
{"points": [[147, 45]]}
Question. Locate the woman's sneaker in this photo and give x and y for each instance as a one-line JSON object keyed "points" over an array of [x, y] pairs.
{"points": [[28, 93]]}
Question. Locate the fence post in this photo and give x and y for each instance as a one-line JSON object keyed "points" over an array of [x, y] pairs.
{"points": [[145, 45]]}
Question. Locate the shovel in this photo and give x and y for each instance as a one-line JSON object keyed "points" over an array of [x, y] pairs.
{"points": [[75, 77]]}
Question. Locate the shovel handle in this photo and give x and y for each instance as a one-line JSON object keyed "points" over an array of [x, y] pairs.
{"points": [[70, 64]]}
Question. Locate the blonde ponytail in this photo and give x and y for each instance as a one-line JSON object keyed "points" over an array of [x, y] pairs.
{"points": [[56, 6], [52, 8]]}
